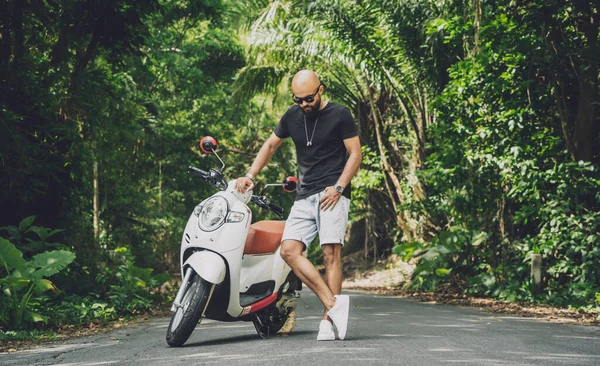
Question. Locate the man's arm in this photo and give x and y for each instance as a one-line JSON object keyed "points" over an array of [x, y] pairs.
{"points": [[331, 197], [264, 156], [353, 163]]}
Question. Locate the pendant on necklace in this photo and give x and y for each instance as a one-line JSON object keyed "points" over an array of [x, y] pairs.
{"points": [[309, 142]]}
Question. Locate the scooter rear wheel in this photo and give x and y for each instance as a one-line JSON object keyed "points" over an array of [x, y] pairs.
{"points": [[193, 304]]}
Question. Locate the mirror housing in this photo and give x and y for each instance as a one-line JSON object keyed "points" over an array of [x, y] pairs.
{"points": [[290, 184], [208, 144]]}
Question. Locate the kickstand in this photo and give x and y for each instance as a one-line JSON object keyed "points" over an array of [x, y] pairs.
{"points": [[263, 331]]}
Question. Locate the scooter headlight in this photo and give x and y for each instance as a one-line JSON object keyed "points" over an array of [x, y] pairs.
{"points": [[213, 213]]}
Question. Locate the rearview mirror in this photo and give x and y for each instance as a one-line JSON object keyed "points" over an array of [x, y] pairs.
{"points": [[290, 184], [208, 144]]}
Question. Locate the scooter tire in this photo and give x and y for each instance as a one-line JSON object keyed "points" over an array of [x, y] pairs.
{"points": [[194, 302]]}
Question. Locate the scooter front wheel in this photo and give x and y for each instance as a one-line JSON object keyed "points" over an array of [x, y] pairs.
{"points": [[189, 313]]}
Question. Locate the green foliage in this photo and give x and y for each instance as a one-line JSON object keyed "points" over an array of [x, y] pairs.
{"points": [[499, 163], [26, 335], [132, 290], [444, 259], [31, 239], [479, 129], [22, 280], [77, 310]]}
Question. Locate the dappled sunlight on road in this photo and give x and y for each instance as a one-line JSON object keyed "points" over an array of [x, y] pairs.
{"points": [[577, 337], [382, 331], [88, 363]]}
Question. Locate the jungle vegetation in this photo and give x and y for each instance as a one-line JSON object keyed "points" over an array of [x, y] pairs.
{"points": [[479, 121]]}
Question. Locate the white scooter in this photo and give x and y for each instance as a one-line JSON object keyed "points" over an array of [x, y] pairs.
{"points": [[231, 269]]}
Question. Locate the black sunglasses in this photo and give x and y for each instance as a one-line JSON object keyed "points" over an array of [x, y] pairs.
{"points": [[307, 99]]}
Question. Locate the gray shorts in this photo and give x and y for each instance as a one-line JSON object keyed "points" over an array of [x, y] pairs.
{"points": [[306, 220]]}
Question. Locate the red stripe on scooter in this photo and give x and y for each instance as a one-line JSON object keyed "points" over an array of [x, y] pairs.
{"points": [[260, 304]]}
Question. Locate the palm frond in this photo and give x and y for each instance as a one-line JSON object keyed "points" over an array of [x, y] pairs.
{"points": [[252, 80]]}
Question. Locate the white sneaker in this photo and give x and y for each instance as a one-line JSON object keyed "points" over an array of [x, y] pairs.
{"points": [[339, 314], [326, 331]]}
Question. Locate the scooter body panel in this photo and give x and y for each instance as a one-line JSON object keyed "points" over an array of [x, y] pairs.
{"points": [[229, 237], [255, 269], [208, 265], [280, 269]]}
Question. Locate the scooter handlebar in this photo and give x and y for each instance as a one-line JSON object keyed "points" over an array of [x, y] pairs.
{"points": [[197, 172], [277, 209], [265, 202]]}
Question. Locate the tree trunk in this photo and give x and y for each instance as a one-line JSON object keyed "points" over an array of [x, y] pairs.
{"points": [[401, 219], [477, 24], [18, 32], [367, 228], [84, 60], [576, 78], [585, 129], [96, 187], [96, 201], [5, 34], [61, 48], [160, 185]]}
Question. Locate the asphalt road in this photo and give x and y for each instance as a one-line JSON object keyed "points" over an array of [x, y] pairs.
{"points": [[383, 331]]}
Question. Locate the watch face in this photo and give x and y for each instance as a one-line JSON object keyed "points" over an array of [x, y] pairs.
{"points": [[338, 188]]}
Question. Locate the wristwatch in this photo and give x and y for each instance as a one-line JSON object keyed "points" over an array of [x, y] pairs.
{"points": [[251, 177], [338, 188]]}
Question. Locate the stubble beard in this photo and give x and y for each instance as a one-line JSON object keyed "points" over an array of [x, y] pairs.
{"points": [[312, 111]]}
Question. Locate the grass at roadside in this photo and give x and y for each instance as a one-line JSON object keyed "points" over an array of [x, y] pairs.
{"points": [[12, 341]]}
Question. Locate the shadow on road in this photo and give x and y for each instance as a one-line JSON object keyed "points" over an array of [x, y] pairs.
{"points": [[244, 338]]}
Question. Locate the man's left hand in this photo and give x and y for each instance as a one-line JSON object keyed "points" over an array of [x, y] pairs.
{"points": [[330, 199]]}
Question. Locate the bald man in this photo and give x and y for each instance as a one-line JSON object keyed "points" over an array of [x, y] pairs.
{"points": [[329, 154]]}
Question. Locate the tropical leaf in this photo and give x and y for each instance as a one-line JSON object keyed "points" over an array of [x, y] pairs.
{"points": [[142, 274], [15, 282], [480, 238], [10, 256], [442, 272], [253, 80], [12, 231], [26, 223], [43, 233], [50, 263], [44, 285], [35, 317]]}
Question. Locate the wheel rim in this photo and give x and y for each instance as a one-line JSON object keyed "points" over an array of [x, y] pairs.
{"points": [[185, 303]]}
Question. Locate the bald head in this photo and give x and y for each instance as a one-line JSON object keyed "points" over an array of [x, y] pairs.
{"points": [[307, 90], [305, 82]]}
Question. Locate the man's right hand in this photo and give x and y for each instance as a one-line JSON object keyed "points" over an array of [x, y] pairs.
{"points": [[244, 184]]}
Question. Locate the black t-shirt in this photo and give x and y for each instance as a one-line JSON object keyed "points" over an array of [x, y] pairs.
{"points": [[321, 164]]}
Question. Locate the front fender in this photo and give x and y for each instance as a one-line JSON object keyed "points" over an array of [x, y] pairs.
{"points": [[210, 266]]}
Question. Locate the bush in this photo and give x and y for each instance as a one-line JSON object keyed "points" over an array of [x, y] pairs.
{"points": [[132, 289], [24, 282]]}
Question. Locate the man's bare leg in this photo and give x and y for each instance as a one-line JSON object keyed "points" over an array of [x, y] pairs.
{"points": [[291, 252], [332, 258]]}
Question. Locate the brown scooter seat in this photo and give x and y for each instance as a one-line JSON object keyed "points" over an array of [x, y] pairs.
{"points": [[264, 237]]}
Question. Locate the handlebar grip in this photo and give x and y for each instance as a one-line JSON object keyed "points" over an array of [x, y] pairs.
{"points": [[196, 171], [277, 209]]}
